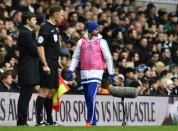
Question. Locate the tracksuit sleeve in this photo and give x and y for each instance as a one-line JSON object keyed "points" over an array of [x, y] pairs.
{"points": [[76, 56], [107, 56]]}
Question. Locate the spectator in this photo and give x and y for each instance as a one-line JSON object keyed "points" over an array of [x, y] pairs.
{"points": [[174, 70], [166, 56], [26, 6], [130, 76], [160, 67], [5, 67], [154, 87], [119, 80], [8, 42], [17, 18], [6, 81], [175, 88], [151, 13], [145, 86], [154, 58], [3, 54], [135, 57]]}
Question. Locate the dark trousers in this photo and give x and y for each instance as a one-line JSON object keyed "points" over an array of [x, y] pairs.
{"points": [[23, 104]]}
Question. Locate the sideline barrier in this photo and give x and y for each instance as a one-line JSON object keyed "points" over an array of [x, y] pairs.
{"points": [[143, 110]]}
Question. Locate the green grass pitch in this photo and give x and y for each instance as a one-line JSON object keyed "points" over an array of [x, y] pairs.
{"points": [[96, 128]]}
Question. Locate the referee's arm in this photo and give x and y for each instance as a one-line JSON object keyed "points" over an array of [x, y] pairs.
{"points": [[41, 53]]}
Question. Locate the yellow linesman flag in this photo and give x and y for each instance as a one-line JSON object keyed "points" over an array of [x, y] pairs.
{"points": [[63, 88]]}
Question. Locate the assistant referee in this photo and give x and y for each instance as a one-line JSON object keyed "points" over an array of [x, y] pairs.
{"points": [[48, 50]]}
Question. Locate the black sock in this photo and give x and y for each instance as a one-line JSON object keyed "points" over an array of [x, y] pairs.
{"points": [[48, 107], [40, 101]]}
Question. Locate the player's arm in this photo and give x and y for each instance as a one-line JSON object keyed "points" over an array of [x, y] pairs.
{"points": [[107, 56], [74, 62], [76, 56]]}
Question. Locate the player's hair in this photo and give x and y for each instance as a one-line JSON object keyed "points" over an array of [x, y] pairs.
{"points": [[53, 9]]}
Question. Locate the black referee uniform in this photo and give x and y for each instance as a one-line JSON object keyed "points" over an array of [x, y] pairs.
{"points": [[49, 39]]}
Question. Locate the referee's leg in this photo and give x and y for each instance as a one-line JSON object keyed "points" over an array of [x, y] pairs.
{"points": [[40, 101]]}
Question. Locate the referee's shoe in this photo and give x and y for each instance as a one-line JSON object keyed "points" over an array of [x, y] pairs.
{"points": [[42, 123], [53, 124]]}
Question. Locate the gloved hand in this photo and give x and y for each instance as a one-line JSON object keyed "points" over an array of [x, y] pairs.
{"points": [[69, 75], [112, 79]]}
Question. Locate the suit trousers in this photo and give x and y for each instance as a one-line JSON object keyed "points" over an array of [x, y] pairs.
{"points": [[23, 104]]}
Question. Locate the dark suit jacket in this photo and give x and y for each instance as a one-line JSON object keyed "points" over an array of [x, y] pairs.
{"points": [[5, 89], [28, 71]]}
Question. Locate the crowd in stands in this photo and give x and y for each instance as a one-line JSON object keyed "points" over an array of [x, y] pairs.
{"points": [[143, 41]]}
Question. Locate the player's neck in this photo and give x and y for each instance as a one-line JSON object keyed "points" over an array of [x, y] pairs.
{"points": [[52, 21], [90, 36]]}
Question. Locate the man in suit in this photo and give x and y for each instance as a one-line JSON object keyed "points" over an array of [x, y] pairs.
{"points": [[28, 71]]}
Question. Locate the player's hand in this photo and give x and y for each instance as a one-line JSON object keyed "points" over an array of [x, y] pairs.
{"points": [[46, 69], [112, 79], [70, 82], [69, 75]]}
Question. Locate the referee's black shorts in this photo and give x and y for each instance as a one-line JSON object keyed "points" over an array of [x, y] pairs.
{"points": [[49, 81]]}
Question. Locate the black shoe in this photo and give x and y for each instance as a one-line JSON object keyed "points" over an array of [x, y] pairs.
{"points": [[42, 123], [52, 124], [21, 124]]}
